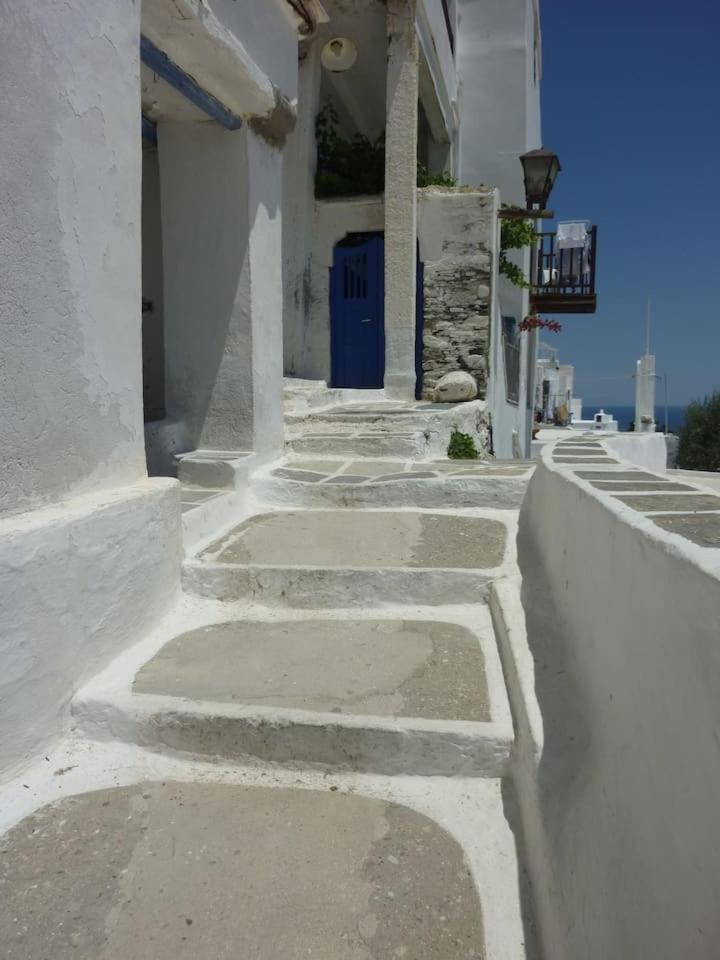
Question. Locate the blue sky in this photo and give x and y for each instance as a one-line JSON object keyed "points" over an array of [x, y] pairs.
{"points": [[631, 104]]}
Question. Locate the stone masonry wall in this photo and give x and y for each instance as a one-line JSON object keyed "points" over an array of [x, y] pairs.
{"points": [[457, 231]]}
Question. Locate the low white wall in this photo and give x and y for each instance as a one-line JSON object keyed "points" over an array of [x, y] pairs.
{"points": [[620, 793], [647, 450], [80, 582]]}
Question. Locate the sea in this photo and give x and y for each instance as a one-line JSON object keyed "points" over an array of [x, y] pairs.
{"points": [[625, 415]]}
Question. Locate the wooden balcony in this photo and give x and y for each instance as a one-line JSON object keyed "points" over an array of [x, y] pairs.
{"points": [[564, 280]]}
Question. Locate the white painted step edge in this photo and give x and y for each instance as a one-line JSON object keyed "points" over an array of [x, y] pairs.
{"points": [[233, 732]]}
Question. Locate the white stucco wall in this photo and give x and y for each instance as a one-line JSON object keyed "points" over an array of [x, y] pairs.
{"points": [[221, 220], [499, 94], [71, 386], [648, 451], [621, 790], [80, 582], [238, 50]]}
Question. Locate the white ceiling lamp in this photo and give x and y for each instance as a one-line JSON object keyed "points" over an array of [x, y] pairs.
{"points": [[338, 54]]}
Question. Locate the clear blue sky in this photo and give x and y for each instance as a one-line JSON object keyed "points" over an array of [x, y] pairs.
{"points": [[631, 104]]}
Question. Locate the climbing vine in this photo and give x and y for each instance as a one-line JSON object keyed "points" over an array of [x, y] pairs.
{"points": [[514, 235]]}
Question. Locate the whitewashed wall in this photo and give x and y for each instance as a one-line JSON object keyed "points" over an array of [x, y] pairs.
{"points": [[620, 791]]}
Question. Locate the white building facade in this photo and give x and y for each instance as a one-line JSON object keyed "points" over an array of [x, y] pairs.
{"points": [[165, 260]]}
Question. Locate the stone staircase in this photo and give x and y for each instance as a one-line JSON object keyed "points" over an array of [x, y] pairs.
{"points": [[329, 700]]}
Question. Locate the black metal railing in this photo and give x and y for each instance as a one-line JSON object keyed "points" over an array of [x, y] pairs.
{"points": [[564, 279]]}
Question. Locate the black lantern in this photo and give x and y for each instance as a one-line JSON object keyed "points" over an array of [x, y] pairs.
{"points": [[540, 168]]}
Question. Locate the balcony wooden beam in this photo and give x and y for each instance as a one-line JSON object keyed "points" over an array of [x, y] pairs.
{"points": [[519, 213]]}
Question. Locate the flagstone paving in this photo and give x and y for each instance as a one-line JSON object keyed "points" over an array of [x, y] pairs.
{"points": [[166, 871]]}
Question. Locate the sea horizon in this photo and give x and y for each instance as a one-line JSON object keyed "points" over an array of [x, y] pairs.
{"points": [[625, 414]]}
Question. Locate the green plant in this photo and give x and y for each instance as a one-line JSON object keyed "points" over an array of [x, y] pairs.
{"points": [[699, 438], [350, 168], [346, 168], [461, 447], [514, 235], [427, 179]]}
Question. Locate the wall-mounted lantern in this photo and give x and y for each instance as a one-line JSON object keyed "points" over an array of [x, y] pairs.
{"points": [[540, 168], [338, 54]]}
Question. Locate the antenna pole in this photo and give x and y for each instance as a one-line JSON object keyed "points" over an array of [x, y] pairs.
{"points": [[647, 329]]}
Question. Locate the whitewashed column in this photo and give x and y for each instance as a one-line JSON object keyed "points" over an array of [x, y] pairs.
{"points": [[221, 195], [71, 369], [401, 199]]}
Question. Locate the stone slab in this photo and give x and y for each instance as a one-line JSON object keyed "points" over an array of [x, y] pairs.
{"points": [[315, 466], [183, 871], [347, 478], [642, 485], [415, 475], [396, 668], [616, 475], [578, 451], [703, 529], [583, 460], [374, 468], [306, 476], [337, 538], [677, 502], [197, 494]]}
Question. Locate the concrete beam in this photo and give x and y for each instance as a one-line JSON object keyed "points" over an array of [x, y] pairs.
{"points": [[202, 43]]}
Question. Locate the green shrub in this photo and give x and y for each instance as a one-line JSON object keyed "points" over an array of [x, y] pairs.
{"points": [[356, 166], [699, 439], [427, 179], [461, 447]]}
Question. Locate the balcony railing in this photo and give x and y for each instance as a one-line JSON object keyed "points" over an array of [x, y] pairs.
{"points": [[564, 280]]}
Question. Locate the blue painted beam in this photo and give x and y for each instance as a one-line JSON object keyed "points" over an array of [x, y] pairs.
{"points": [[149, 130], [161, 64]]}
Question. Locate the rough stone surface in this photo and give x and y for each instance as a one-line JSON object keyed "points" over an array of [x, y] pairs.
{"points": [[373, 667], [457, 235], [339, 538], [643, 485], [557, 459], [616, 475], [680, 503], [203, 871], [456, 387], [701, 529]]}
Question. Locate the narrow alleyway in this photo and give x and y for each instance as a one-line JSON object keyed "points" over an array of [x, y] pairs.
{"points": [[309, 758]]}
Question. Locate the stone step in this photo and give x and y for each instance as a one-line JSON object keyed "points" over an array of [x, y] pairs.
{"points": [[215, 469], [356, 558], [171, 869], [402, 446], [391, 694], [382, 483]]}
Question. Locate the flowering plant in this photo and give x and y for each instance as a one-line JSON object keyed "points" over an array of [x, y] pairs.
{"points": [[533, 322]]}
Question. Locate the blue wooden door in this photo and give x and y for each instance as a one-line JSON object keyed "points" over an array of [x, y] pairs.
{"points": [[357, 313]]}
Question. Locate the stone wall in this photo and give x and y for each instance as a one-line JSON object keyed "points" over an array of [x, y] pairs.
{"points": [[457, 234]]}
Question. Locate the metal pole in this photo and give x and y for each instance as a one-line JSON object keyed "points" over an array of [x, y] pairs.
{"points": [[666, 405]]}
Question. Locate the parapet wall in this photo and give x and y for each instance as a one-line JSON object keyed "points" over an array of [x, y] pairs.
{"points": [[617, 709]]}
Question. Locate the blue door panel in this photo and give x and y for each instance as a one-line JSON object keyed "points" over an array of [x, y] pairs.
{"points": [[357, 314]]}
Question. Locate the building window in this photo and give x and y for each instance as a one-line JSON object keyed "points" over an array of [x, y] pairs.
{"points": [[511, 349]]}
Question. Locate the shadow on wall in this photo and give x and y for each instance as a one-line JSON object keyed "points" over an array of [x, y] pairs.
{"points": [[621, 818], [213, 198]]}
